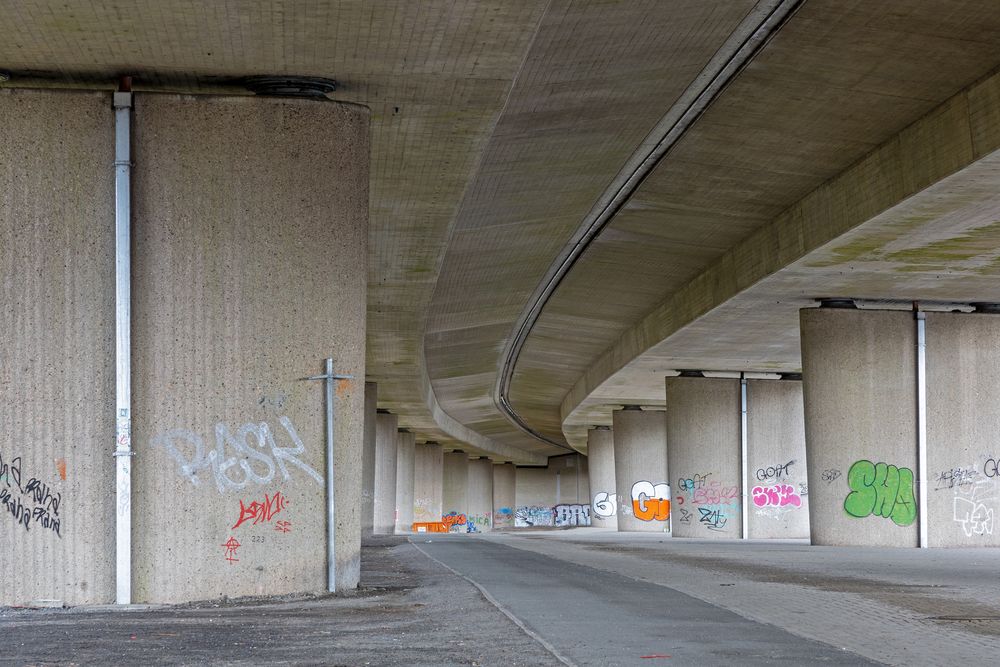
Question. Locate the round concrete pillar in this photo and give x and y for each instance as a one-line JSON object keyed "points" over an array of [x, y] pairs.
{"points": [[778, 504], [368, 460], [404, 481], [601, 465], [504, 485], [386, 430], [859, 391], [428, 464], [455, 491], [703, 441], [640, 452], [480, 512]]}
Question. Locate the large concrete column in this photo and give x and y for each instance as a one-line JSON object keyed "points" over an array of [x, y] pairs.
{"points": [[404, 481], [368, 460], [778, 504], [428, 467], [480, 513], [455, 490], [601, 464], [703, 441], [640, 450], [859, 390], [386, 431], [504, 498], [963, 421], [249, 268], [57, 369]]}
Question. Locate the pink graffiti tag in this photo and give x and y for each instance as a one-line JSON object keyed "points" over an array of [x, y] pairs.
{"points": [[778, 495], [231, 546], [261, 511]]}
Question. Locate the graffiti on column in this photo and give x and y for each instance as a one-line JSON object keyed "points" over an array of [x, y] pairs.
{"points": [[774, 472], [651, 502], [881, 489], [261, 511], [455, 521], [830, 475], [525, 517], [706, 502], [572, 515], [476, 522], [972, 508], [33, 503], [961, 476], [605, 505], [778, 495], [503, 517]]}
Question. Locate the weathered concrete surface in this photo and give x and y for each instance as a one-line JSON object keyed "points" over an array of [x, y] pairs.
{"points": [[404, 481], [859, 392], [480, 513], [601, 465], [963, 420], [455, 487], [250, 238], [57, 318], [703, 442], [777, 478], [641, 475], [368, 460], [540, 492], [428, 468], [408, 611], [504, 495], [386, 433]]}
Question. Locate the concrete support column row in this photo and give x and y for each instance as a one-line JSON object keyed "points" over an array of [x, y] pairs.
{"points": [[386, 430], [405, 452]]}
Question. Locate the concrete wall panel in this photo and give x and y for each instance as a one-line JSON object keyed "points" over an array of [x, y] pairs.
{"points": [[703, 440], [57, 365], [250, 240], [428, 470], [455, 490], [777, 477], [368, 460], [480, 514], [386, 433], [504, 495], [404, 481], [601, 464], [641, 475], [556, 495], [859, 380]]}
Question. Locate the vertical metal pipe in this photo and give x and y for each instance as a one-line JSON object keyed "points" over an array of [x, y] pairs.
{"points": [[331, 524], [123, 348], [743, 457], [922, 472]]}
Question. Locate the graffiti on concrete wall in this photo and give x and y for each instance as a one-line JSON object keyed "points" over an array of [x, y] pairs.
{"points": [[251, 455], [651, 502], [231, 545], [712, 517], [774, 472], [778, 495], [526, 517], [605, 505], [572, 515], [261, 511], [476, 522], [706, 502], [503, 517], [31, 504], [973, 510], [880, 489], [455, 521], [960, 476], [830, 475]]}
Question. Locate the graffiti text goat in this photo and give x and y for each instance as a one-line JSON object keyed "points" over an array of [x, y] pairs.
{"points": [[252, 450]]}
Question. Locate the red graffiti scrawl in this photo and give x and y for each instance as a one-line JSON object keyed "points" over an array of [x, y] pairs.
{"points": [[231, 546], [261, 512]]}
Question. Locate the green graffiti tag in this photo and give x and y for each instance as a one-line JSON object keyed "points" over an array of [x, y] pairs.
{"points": [[881, 489]]}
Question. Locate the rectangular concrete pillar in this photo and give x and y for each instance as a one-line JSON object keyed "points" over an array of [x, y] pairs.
{"points": [[368, 460], [250, 247], [404, 481], [704, 445], [641, 476], [455, 491], [386, 432], [480, 515], [504, 495], [859, 392], [428, 468], [57, 367], [601, 464], [777, 477]]}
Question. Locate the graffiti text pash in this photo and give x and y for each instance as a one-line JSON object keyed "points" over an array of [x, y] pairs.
{"points": [[254, 452], [882, 490]]}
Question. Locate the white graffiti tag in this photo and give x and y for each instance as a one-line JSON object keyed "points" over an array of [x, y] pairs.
{"points": [[970, 512], [605, 504], [255, 455]]}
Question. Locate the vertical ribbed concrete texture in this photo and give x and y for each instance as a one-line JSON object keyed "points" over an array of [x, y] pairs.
{"points": [[455, 490], [504, 485], [386, 432], [859, 394], [601, 465], [777, 477], [250, 245], [480, 514], [57, 319], [368, 460], [404, 481], [428, 468], [556, 495], [963, 423], [704, 445], [641, 475]]}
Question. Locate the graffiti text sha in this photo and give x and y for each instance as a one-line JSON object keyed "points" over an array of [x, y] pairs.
{"points": [[253, 455], [882, 490]]}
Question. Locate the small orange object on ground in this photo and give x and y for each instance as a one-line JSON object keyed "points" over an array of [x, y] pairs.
{"points": [[430, 527]]}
